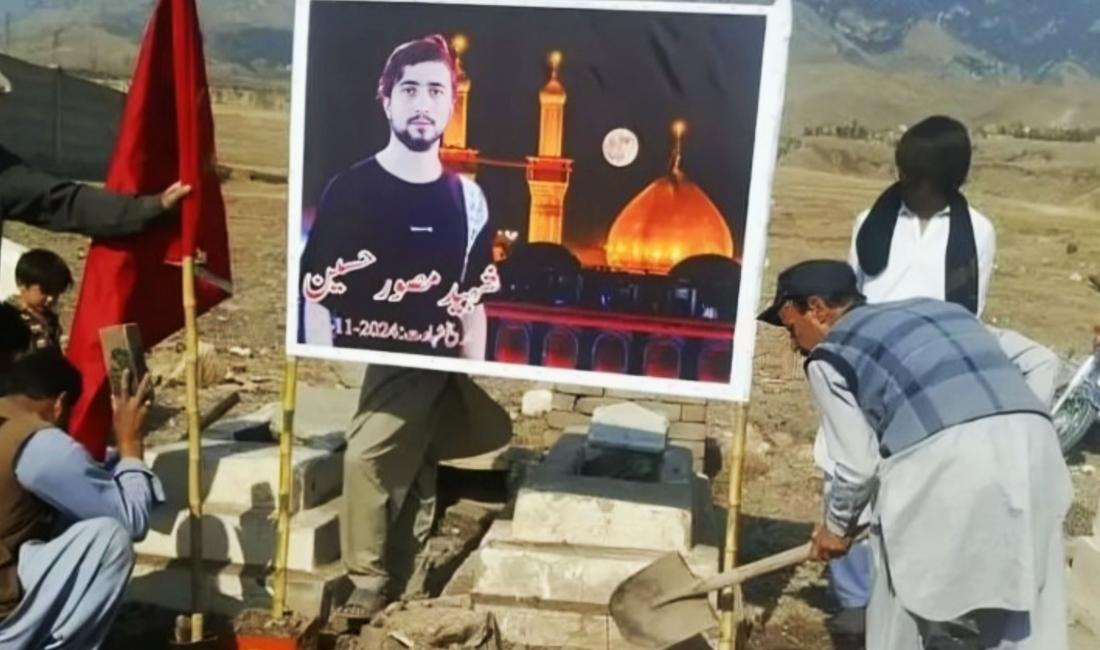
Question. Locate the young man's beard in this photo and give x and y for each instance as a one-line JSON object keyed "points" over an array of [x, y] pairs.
{"points": [[413, 143]]}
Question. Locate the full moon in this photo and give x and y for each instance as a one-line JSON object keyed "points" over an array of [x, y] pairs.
{"points": [[620, 147]]}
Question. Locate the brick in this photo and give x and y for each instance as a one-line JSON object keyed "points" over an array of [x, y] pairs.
{"points": [[693, 413], [574, 389], [687, 431], [563, 402], [588, 405], [630, 394], [720, 413], [563, 419]]}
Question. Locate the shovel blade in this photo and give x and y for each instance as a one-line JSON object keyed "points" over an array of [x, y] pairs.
{"points": [[645, 623]]}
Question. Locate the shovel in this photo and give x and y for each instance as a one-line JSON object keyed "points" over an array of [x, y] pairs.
{"points": [[664, 603]]}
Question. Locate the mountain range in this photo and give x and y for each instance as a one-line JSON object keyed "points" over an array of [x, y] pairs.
{"points": [[1049, 41], [984, 57]]}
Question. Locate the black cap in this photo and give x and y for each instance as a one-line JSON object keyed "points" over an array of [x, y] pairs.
{"points": [[810, 278]]}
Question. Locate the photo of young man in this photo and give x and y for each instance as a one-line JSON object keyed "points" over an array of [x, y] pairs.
{"points": [[400, 252]]}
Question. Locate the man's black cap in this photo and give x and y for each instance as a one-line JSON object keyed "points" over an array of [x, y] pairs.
{"points": [[809, 278]]}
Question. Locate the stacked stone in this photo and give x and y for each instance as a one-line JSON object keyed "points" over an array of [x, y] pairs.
{"points": [[692, 421]]}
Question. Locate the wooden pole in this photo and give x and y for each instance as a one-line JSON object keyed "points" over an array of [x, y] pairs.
{"points": [[194, 449], [286, 439], [731, 598]]}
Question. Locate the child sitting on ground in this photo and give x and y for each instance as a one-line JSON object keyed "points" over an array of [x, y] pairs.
{"points": [[41, 277]]}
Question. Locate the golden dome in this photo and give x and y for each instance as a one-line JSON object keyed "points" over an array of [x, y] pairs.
{"points": [[553, 87], [671, 220]]}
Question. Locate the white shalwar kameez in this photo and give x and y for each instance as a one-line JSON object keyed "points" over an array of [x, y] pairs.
{"points": [[969, 519]]}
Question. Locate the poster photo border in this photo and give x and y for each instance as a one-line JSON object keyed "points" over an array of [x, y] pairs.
{"points": [[773, 79]]}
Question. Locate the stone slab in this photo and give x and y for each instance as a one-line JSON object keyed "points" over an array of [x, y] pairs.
{"points": [[1084, 584], [556, 505], [536, 402], [248, 537], [629, 426], [239, 476], [564, 574], [549, 629], [232, 588]]}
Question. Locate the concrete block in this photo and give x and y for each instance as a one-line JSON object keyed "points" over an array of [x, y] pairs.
{"points": [[240, 476], [543, 628], [556, 505], [233, 587], [1084, 584], [247, 537], [628, 426], [575, 389], [693, 413], [537, 402], [691, 431], [507, 569], [588, 405], [565, 419]]}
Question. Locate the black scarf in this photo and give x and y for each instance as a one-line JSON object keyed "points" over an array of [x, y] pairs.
{"points": [[961, 265]]}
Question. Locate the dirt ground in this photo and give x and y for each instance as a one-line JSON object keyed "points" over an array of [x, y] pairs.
{"points": [[1041, 197]]}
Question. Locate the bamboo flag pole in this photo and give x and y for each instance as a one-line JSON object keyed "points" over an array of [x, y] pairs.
{"points": [[194, 448], [290, 390], [736, 463]]}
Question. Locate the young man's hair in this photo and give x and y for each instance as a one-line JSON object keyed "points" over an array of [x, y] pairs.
{"points": [[44, 268], [15, 336], [44, 374], [936, 150], [421, 50]]}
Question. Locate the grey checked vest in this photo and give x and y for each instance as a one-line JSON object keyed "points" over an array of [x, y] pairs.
{"points": [[917, 367]]}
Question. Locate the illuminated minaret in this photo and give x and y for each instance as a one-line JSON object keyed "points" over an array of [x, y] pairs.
{"points": [[454, 153], [548, 173]]}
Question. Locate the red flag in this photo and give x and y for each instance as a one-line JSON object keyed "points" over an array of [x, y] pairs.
{"points": [[167, 133]]}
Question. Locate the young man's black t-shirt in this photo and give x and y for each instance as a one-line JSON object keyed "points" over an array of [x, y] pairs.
{"points": [[384, 252]]}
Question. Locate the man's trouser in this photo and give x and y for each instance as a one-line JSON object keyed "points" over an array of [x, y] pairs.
{"points": [[408, 420], [72, 588]]}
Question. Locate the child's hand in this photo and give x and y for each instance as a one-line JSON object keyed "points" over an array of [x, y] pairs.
{"points": [[130, 413]]}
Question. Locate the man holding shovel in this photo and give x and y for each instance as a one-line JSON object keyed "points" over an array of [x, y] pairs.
{"points": [[932, 425]]}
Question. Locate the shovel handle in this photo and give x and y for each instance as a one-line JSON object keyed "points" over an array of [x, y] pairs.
{"points": [[737, 575]]}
